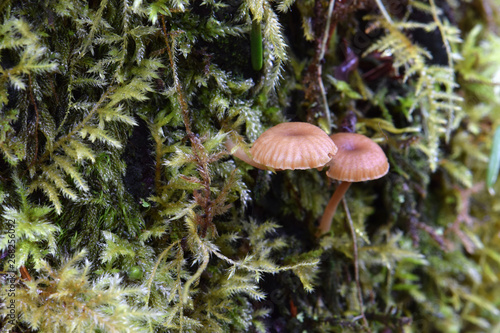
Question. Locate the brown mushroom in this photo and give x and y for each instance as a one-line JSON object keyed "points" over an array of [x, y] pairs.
{"points": [[293, 145], [242, 155], [358, 159]]}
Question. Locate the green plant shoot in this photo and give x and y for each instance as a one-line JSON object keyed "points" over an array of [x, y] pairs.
{"points": [[256, 45], [494, 164]]}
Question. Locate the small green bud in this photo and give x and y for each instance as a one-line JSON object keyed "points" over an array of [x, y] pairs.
{"points": [[135, 273]]}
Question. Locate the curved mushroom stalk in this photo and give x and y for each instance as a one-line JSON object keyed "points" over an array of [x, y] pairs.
{"points": [[326, 221], [240, 153], [358, 159]]}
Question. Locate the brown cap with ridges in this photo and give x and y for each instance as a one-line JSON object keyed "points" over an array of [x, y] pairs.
{"points": [[293, 145], [358, 158]]}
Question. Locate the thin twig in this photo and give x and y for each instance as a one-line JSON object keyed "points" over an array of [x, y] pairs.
{"points": [[32, 98], [356, 265], [198, 149], [383, 11], [178, 88], [326, 36], [442, 242]]}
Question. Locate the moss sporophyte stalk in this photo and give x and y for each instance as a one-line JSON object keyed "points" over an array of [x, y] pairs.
{"points": [[256, 45], [134, 196]]}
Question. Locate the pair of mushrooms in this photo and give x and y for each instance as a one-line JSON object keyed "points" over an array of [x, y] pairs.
{"points": [[350, 157]]}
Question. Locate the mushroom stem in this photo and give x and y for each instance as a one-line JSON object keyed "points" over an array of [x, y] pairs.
{"points": [[240, 153], [331, 207]]}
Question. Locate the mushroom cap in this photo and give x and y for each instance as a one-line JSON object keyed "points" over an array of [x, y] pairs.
{"points": [[358, 159], [293, 145]]}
